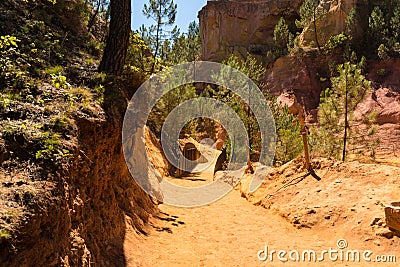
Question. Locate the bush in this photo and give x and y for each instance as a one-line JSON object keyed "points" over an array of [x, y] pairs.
{"points": [[383, 52], [336, 41]]}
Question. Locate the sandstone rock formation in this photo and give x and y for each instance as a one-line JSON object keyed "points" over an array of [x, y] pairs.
{"points": [[334, 20], [332, 23], [242, 26], [297, 74]]}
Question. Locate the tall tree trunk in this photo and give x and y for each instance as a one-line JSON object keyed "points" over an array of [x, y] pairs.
{"points": [[346, 121], [93, 17], [116, 48], [153, 66]]}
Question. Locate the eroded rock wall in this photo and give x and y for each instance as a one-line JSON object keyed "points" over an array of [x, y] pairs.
{"points": [[81, 216], [240, 27]]}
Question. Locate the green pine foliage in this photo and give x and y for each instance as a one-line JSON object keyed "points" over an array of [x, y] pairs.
{"points": [[309, 14], [163, 13], [339, 130], [283, 38], [383, 31], [289, 143]]}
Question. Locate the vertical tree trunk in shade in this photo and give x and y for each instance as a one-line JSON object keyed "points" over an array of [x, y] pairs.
{"points": [[346, 120], [118, 38]]}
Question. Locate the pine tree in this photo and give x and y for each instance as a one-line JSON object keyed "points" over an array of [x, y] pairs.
{"points": [[336, 110], [282, 36], [163, 12], [185, 47], [194, 41], [377, 25], [309, 13]]}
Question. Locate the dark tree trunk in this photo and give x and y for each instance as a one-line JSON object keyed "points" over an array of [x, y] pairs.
{"points": [[346, 121], [153, 66], [93, 17], [116, 48]]}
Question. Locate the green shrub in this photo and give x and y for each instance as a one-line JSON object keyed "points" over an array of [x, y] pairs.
{"points": [[59, 81], [51, 148], [56, 70], [336, 41], [381, 72], [383, 52], [4, 234], [79, 95]]}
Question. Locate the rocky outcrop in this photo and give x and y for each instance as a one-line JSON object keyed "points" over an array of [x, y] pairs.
{"points": [[333, 21], [301, 75], [386, 103], [242, 26]]}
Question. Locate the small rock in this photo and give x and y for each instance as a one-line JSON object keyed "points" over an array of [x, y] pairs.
{"points": [[377, 242], [327, 217], [312, 211], [384, 232], [353, 209]]}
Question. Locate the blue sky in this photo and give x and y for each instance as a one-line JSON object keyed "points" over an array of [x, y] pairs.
{"points": [[187, 12]]}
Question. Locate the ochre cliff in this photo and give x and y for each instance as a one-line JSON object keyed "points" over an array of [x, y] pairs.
{"points": [[245, 26], [78, 216], [239, 27]]}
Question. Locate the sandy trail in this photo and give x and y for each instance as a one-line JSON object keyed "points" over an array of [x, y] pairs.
{"points": [[229, 232]]}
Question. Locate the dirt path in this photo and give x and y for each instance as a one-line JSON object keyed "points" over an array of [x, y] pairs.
{"points": [[229, 232]]}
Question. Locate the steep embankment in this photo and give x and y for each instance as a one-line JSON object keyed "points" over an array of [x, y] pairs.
{"points": [[66, 195], [76, 213]]}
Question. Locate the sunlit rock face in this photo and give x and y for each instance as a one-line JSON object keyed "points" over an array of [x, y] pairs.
{"points": [[238, 27], [247, 26]]}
